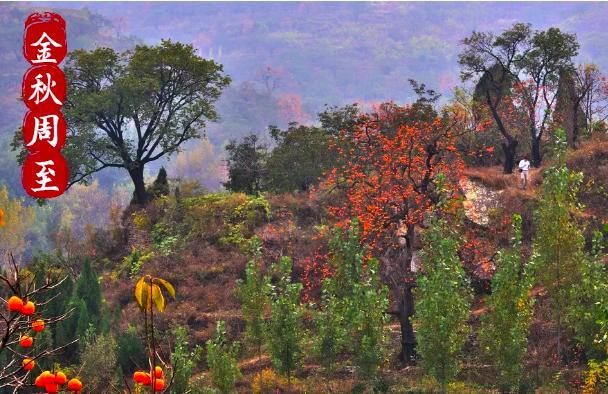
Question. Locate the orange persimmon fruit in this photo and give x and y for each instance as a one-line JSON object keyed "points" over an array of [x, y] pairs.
{"points": [[28, 364], [159, 385], [28, 308], [60, 378], [38, 325], [74, 385], [14, 304], [26, 341]]}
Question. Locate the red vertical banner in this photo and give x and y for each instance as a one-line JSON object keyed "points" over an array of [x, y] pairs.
{"points": [[45, 172]]}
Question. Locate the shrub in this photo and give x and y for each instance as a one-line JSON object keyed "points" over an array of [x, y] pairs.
{"points": [[504, 330], [99, 363], [443, 299], [222, 360], [284, 328], [184, 363], [131, 352], [269, 382], [252, 293]]}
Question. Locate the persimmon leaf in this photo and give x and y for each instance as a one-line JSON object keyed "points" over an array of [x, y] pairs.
{"points": [[158, 298], [142, 292], [167, 285]]}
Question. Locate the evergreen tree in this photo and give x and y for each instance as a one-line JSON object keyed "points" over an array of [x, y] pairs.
{"points": [[130, 351], [443, 300], [284, 328], [88, 289], [504, 330], [84, 320], [160, 186]]}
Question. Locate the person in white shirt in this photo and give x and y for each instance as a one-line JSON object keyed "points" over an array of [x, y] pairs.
{"points": [[524, 167]]}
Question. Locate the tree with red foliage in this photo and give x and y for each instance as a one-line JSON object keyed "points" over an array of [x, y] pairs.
{"points": [[392, 165]]}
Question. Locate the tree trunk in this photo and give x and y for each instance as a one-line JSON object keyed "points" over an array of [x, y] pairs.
{"points": [[509, 148], [408, 339], [536, 155], [140, 196]]}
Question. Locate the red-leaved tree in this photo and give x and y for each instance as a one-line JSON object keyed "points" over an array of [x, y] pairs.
{"points": [[393, 163]]}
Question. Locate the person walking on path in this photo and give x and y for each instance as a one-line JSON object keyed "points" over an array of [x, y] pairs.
{"points": [[524, 167]]}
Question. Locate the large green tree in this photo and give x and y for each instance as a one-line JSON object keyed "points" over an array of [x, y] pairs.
{"points": [[246, 165], [529, 61], [125, 110], [300, 157]]}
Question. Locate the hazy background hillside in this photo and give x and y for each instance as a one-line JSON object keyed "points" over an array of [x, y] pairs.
{"points": [[288, 60]]}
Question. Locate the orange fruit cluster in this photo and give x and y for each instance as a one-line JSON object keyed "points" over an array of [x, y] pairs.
{"points": [[145, 378], [16, 304], [51, 382]]}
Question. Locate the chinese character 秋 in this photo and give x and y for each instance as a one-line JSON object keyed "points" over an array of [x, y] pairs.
{"points": [[41, 88]]}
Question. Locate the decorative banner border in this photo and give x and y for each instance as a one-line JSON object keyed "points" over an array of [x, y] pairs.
{"points": [[45, 172]]}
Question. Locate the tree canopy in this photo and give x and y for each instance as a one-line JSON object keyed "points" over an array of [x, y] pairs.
{"points": [[128, 109]]}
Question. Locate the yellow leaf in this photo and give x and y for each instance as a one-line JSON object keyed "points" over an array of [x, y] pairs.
{"points": [[158, 298], [167, 285], [142, 293]]}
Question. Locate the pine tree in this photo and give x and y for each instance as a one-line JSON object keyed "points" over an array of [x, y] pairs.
{"points": [[443, 300], [160, 186], [504, 330], [84, 320], [88, 289]]}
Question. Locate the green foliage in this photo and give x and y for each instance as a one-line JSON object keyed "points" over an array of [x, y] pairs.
{"points": [[252, 293], [165, 241], [353, 306], [284, 328], [222, 360], [88, 289], [246, 165], [184, 362], [225, 218], [133, 263], [331, 334], [559, 242], [160, 186], [84, 320], [111, 92], [99, 362], [589, 299], [443, 300], [300, 157], [504, 330], [131, 352]]}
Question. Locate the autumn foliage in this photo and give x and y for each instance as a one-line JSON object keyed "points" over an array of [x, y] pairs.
{"points": [[391, 164]]}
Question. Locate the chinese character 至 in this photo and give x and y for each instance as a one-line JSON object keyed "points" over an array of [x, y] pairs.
{"points": [[43, 176]]}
